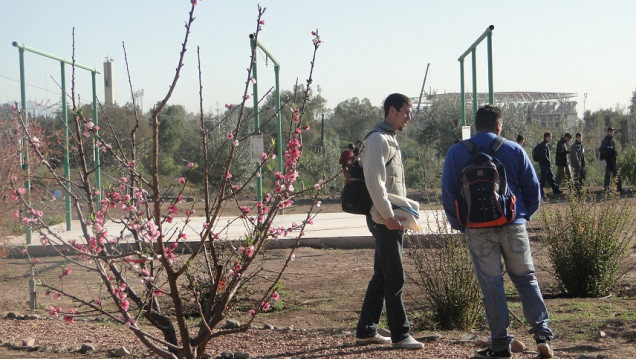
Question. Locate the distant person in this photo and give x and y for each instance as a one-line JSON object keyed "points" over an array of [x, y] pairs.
{"points": [[487, 246], [577, 160], [561, 159], [545, 163], [521, 140], [346, 158], [381, 162], [607, 152]]}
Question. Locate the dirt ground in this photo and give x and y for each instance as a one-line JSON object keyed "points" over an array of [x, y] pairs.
{"points": [[322, 294]]}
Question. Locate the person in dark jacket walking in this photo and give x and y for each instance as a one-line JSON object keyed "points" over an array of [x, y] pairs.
{"points": [[561, 159], [545, 163], [609, 154], [577, 160]]}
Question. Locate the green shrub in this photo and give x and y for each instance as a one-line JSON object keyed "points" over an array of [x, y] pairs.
{"points": [[587, 242], [444, 273]]}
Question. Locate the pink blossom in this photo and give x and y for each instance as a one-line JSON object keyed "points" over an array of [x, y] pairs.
{"points": [[36, 261], [252, 80], [54, 311], [262, 22], [245, 210], [293, 256], [228, 175], [131, 164], [181, 180], [235, 143], [250, 251], [252, 312], [318, 203], [265, 306], [125, 305], [228, 106], [276, 296], [16, 214], [310, 221], [190, 165], [193, 2], [230, 135]]}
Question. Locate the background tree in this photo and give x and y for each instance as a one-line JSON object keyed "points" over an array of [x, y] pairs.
{"points": [[353, 117]]}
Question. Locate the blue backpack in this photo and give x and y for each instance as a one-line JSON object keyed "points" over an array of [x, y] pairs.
{"points": [[485, 199]]}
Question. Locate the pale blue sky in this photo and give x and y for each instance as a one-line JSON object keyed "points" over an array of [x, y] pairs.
{"points": [[371, 48]]}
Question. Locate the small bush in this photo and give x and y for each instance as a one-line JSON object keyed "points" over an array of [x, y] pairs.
{"points": [[587, 242], [444, 272]]}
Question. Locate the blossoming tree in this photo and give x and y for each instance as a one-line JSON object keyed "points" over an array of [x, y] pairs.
{"points": [[145, 282]]}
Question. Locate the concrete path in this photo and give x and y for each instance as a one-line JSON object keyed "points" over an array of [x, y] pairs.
{"points": [[335, 230]]}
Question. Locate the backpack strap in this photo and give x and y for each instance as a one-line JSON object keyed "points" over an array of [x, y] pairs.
{"points": [[364, 140], [494, 147]]}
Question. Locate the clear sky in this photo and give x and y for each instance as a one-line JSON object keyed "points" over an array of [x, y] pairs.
{"points": [[371, 47]]}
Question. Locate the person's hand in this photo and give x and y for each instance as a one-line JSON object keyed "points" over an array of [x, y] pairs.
{"points": [[393, 224]]}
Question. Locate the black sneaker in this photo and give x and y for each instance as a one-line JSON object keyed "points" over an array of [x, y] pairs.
{"points": [[557, 191], [487, 353], [543, 347]]}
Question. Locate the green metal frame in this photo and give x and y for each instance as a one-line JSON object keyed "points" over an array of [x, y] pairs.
{"points": [[472, 50], [67, 171], [279, 141]]}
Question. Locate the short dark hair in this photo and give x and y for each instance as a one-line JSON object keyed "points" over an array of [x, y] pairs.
{"points": [[567, 135], [487, 118], [350, 146], [396, 100], [520, 138], [546, 135], [578, 134]]}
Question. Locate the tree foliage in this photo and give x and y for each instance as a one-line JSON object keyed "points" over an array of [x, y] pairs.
{"points": [[352, 117]]}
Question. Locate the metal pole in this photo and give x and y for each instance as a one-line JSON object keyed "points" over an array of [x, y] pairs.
{"points": [[259, 185], [279, 136], [491, 95], [419, 101], [67, 166], [25, 151], [463, 94], [474, 58], [98, 175]]}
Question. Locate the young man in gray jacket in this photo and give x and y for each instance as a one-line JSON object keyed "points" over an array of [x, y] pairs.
{"points": [[381, 161]]}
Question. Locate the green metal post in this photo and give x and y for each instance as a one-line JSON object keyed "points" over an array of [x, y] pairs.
{"points": [[474, 65], [67, 166], [25, 150], [21, 48], [471, 50], [257, 125], [98, 174], [279, 136], [491, 95], [463, 95]]}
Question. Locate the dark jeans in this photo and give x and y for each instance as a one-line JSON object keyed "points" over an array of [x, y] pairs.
{"points": [[547, 175], [610, 169], [386, 286]]}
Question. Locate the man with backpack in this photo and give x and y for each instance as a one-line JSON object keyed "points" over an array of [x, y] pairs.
{"points": [[541, 154], [488, 243], [381, 161]]}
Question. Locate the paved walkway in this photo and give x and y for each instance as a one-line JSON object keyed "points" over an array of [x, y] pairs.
{"points": [[335, 230]]}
